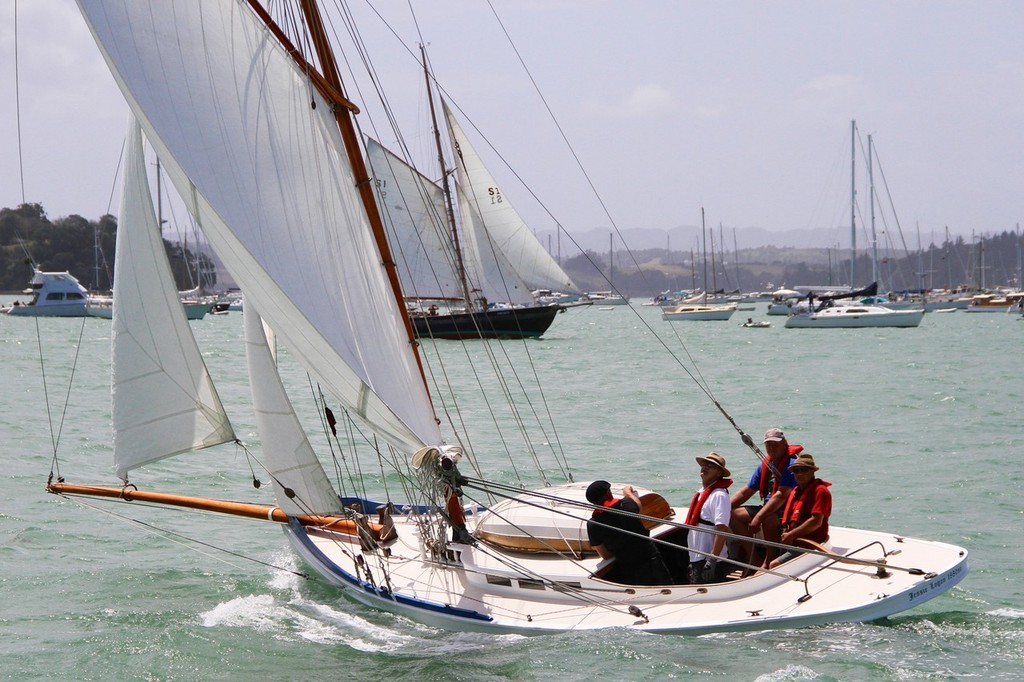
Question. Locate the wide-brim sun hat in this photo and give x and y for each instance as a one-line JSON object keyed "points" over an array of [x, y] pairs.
{"points": [[803, 462], [715, 460]]}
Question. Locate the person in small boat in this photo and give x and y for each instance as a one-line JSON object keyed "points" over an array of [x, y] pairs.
{"points": [[710, 507], [772, 481], [432, 310], [805, 515], [623, 536]]}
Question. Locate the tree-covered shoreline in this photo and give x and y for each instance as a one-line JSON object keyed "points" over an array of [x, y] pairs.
{"points": [[85, 248]]}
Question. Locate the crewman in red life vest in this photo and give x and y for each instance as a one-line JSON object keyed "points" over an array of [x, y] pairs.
{"points": [[773, 482], [806, 513], [710, 506]]}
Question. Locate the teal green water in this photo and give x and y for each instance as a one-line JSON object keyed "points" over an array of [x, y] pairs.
{"points": [[921, 432]]}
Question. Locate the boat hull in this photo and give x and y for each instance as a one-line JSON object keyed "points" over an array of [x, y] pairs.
{"points": [[483, 588], [193, 311], [494, 323], [698, 312], [50, 310], [850, 319]]}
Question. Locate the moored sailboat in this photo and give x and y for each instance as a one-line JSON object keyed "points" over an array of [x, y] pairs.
{"points": [[471, 276], [423, 547]]}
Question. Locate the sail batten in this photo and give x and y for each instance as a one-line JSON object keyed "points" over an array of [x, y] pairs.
{"points": [[164, 402]]}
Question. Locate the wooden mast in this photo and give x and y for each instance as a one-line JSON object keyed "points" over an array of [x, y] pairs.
{"points": [[449, 206]]}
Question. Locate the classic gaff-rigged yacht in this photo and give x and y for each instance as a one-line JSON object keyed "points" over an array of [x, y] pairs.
{"points": [[469, 278], [52, 294], [457, 551]]}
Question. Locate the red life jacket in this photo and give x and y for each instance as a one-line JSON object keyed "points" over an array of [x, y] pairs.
{"points": [[798, 509], [766, 472], [607, 503], [699, 498]]}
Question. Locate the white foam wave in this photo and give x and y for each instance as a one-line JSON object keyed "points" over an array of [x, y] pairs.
{"points": [[287, 613], [1006, 613], [254, 611], [790, 672]]}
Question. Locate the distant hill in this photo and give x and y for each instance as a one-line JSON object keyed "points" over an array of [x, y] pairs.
{"points": [[656, 261], [688, 237]]}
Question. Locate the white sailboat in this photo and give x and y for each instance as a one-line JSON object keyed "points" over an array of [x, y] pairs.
{"points": [[832, 312], [476, 274], [853, 315], [700, 307], [290, 212]]}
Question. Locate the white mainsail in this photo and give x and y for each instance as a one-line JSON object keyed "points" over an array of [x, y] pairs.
{"points": [[293, 464], [505, 229], [413, 210], [164, 402], [256, 152]]}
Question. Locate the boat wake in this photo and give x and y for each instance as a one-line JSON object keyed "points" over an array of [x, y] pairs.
{"points": [[294, 614]]}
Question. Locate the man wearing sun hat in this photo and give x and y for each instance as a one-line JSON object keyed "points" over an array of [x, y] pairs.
{"points": [[710, 507], [805, 515], [773, 482]]}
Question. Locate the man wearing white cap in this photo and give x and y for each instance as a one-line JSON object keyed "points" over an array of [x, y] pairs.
{"points": [[773, 481]]}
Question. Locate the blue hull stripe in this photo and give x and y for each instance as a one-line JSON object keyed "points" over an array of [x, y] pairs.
{"points": [[299, 532]]}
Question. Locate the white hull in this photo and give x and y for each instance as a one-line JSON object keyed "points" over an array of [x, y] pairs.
{"points": [[105, 311], [485, 588], [855, 316], [49, 310], [698, 312]]}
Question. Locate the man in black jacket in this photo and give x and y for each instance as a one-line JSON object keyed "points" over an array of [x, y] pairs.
{"points": [[615, 531]]}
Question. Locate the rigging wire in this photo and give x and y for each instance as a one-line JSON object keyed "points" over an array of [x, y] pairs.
{"points": [[185, 540]]}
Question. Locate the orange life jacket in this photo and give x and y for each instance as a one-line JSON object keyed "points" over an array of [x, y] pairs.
{"points": [[766, 472], [699, 498], [798, 509]]}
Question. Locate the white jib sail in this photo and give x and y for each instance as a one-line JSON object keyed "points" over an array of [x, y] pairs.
{"points": [[490, 273], [231, 115], [287, 453], [506, 229], [164, 402]]}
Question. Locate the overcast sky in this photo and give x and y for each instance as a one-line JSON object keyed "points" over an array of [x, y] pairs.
{"points": [[741, 107]]}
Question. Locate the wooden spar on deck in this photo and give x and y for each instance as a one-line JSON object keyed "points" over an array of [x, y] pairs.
{"points": [[245, 509]]}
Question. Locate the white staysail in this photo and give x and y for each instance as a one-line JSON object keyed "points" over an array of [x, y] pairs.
{"points": [[288, 456], [506, 230], [255, 150], [164, 402]]}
